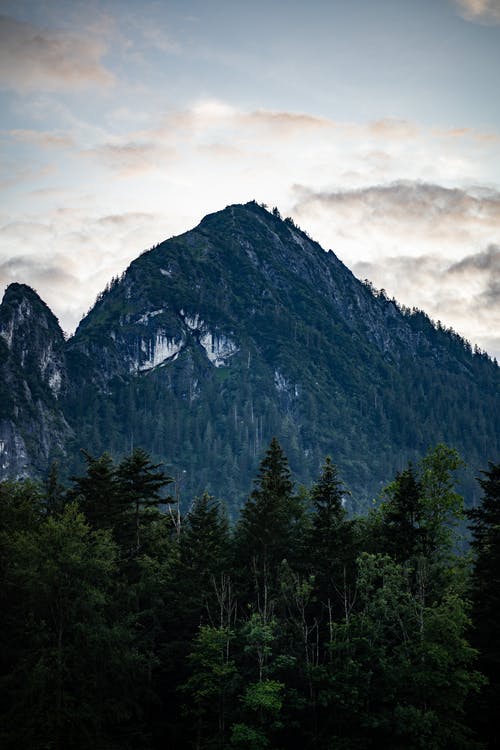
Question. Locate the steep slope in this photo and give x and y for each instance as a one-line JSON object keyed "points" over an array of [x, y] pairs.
{"points": [[33, 430], [244, 328]]}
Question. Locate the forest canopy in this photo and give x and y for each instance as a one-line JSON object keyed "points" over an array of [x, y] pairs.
{"points": [[129, 624]]}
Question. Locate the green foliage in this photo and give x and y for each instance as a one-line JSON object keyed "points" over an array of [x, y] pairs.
{"points": [[244, 736], [422, 509], [265, 696], [290, 630]]}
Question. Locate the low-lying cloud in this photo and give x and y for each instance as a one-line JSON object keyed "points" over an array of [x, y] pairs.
{"points": [[73, 255], [406, 216], [464, 295], [429, 246]]}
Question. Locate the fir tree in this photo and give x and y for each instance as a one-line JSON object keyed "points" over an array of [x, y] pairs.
{"points": [[268, 527], [97, 491], [139, 485], [400, 530]]}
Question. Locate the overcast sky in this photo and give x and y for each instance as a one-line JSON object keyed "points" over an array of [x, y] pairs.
{"points": [[375, 124]]}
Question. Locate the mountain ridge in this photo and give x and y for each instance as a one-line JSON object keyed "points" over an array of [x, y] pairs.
{"points": [[244, 327]]}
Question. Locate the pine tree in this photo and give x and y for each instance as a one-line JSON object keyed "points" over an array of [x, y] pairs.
{"points": [[400, 533], [268, 527], [54, 491], [97, 491], [331, 544], [327, 496], [139, 485], [204, 545]]}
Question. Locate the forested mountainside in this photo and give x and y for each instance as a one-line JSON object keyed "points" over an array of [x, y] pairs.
{"points": [[236, 331]]}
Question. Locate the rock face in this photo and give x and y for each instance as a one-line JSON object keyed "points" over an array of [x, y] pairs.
{"points": [[33, 430], [241, 329]]}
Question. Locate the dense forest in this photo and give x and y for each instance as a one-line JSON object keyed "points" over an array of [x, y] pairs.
{"points": [[127, 623]]}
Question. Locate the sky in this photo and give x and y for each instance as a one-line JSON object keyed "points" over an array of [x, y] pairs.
{"points": [[375, 124]]}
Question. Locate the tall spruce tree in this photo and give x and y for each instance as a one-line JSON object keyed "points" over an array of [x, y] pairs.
{"points": [[140, 482], [400, 532], [269, 526], [331, 544], [97, 491], [204, 550]]}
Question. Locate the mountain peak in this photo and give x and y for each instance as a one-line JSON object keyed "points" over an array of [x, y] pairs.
{"points": [[32, 333], [33, 430], [21, 303], [243, 328]]}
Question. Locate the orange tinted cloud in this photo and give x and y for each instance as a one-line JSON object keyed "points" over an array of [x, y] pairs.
{"points": [[33, 58]]}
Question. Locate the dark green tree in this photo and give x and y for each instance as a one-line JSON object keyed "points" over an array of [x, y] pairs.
{"points": [[485, 590], [209, 686], [270, 523], [97, 492], [139, 484], [331, 541], [400, 532], [77, 675], [55, 494]]}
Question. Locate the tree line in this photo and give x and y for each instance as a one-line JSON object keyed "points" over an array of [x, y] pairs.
{"points": [[129, 624]]}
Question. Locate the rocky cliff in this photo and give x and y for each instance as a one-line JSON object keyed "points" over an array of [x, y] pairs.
{"points": [[33, 382]]}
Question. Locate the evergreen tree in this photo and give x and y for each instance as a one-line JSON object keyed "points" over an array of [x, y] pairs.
{"points": [[198, 612], [209, 687], [331, 540], [400, 532], [139, 484], [421, 510], [97, 492], [269, 528], [54, 491], [204, 539]]}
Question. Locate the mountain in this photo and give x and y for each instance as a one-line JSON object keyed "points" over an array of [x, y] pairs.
{"points": [[240, 329], [33, 429]]}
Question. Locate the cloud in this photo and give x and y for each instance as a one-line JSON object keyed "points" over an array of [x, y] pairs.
{"points": [[30, 267], [408, 212], [52, 278], [480, 11], [427, 245], [393, 129], [41, 138], [484, 265], [285, 122], [72, 255], [124, 220], [35, 58], [485, 261], [129, 159], [464, 295], [319, 149]]}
